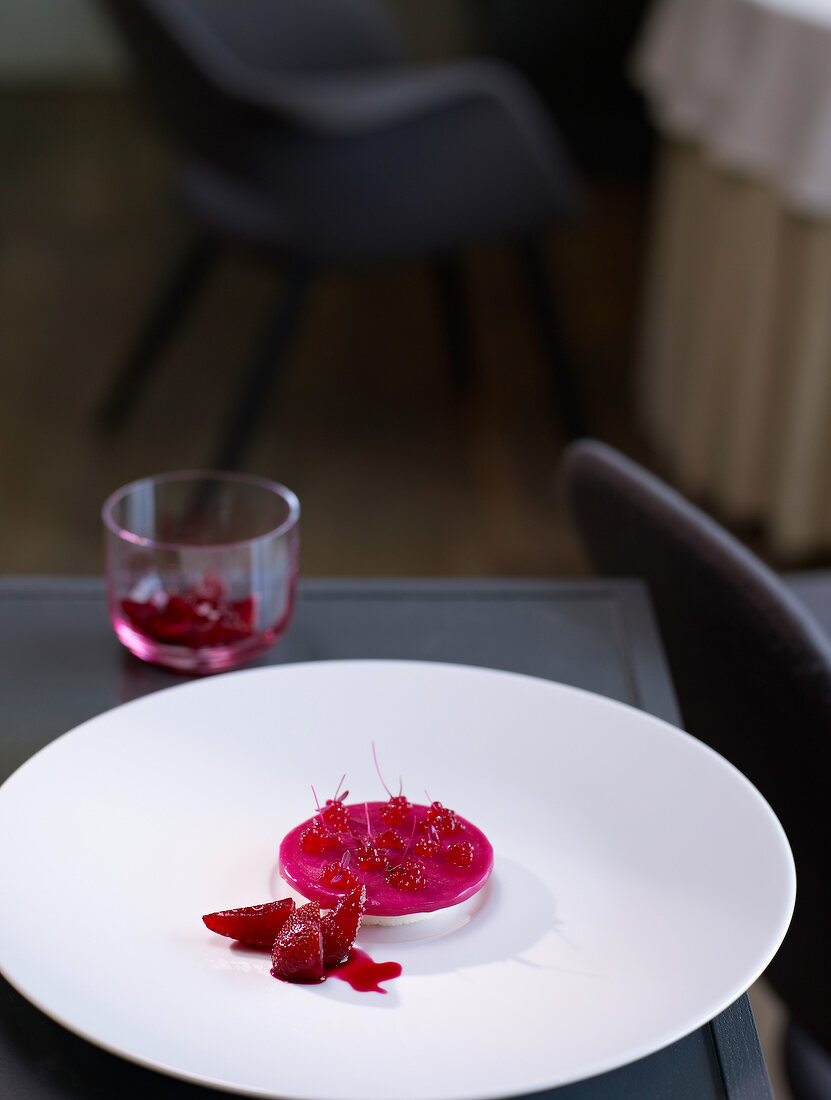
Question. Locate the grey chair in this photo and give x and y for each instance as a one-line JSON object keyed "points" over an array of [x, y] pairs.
{"points": [[752, 669], [303, 134]]}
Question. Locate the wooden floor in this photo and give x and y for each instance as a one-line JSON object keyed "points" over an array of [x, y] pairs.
{"points": [[396, 476]]}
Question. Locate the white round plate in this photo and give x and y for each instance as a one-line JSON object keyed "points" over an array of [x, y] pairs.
{"points": [[640, 885]]}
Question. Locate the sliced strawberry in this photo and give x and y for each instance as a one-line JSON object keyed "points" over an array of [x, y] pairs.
{"points": [[297, 953], [340, 927], [255, 924]]}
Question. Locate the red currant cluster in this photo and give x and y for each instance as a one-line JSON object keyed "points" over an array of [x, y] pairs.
{"points": [[389, 850], [396, 811], [445, 821]]}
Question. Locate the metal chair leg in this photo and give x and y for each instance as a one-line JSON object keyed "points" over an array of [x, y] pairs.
{"points": [[166, 313], [264, 369], [542, 301], [449, 275]]}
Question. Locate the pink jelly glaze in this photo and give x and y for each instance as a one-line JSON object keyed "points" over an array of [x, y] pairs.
{"points": [[446, 884]]}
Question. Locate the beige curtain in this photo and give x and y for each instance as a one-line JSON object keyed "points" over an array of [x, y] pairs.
{"points": [[734, 381]]}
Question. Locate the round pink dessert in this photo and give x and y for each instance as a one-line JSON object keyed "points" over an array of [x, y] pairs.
{"points": [[429, 859]]}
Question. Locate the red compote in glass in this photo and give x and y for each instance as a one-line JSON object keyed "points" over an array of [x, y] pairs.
{"points": [[201, 567]]}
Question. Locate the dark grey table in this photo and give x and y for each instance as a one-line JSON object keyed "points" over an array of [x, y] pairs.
{"points": [[61, 664]]}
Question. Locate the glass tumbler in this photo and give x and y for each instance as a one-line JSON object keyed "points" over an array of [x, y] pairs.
{"points": [[201, 567]]}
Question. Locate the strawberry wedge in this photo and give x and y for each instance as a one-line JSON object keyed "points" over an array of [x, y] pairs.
{"points": [[340, 927], [297, 952], [259, 925]]}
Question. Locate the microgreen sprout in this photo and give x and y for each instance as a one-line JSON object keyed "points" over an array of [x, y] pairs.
{"points": [[378, 770]]}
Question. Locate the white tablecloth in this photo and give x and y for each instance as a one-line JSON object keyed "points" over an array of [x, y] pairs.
{"points": [[735, 371]]}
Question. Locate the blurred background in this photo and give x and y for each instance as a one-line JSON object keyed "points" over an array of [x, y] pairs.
{"points": [[688, 266], [398, 472]]}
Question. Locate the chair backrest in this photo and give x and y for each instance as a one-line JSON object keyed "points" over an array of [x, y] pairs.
{"points": [[183, 77], [192, 58], [751, 667], [301, 36]]}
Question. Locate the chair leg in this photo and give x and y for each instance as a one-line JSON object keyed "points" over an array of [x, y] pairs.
{"points": [[564, 384], [449, 275], [165, 314], [263, 371]]}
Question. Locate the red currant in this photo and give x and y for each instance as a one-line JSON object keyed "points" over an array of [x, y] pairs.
{"points": [[390, 839], [317, 839], [396, 810], [445, 820], [407, 876], [339, 876], [370, 859], [336, 815], [426, 847], [460, 854]]}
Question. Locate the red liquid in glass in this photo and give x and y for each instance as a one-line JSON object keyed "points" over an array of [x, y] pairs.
{"points": [[195, 618]]}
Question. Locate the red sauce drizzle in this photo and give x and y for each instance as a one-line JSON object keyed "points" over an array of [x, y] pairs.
{"points": [[363, 973]]}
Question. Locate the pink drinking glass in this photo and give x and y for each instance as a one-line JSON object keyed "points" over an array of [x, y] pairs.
{"points": [[201, 567]]}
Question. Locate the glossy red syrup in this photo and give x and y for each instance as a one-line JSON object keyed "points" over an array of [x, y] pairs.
{"points": [[363, 973]]}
